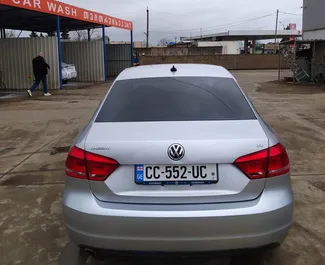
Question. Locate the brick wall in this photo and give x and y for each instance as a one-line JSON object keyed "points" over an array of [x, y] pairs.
{"points": [[231, 62]]}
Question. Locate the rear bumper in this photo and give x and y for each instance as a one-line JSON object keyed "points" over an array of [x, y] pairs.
{"points": [[178, 228]]}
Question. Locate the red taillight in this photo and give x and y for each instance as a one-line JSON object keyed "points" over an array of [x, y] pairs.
{"points": [[267, 163], [254, 165], [85, 165], [100, 167], [279, 163], [75, 165]]}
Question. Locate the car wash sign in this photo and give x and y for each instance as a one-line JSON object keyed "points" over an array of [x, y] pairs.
{"points": [[65, 10]]}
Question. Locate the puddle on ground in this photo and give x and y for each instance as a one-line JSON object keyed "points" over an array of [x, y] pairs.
{"points": [[60, 149], [319, 185]]}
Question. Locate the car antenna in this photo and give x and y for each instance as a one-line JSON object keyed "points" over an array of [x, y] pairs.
{"points": [[173, 70]]}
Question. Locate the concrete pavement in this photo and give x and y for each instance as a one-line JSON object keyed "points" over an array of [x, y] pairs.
{"points": [[36, 133]]}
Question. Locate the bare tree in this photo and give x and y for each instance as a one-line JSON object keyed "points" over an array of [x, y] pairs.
{"points": [[51, 34], [107, 39], [33, 34], [81, 35], [65, 34], [97, 35], [164, 42], [10, 33]]}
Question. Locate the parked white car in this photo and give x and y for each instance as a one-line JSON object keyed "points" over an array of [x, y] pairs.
{"points": [[68, 72]]}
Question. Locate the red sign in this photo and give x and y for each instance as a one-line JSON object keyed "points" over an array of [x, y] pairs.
{"points": [[65, 10], [292, 27]]}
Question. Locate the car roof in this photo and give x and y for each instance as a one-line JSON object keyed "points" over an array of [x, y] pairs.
{"points": [[183, 70]]}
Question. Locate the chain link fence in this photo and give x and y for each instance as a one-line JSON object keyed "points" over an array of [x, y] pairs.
{"points": [[286, 62], [298, 62]]}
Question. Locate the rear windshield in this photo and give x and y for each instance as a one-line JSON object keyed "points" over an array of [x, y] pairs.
{"points": [[175, 99]]}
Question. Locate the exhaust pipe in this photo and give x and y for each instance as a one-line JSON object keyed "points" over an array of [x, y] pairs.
{"points": [[90, 252], [95, 254]]}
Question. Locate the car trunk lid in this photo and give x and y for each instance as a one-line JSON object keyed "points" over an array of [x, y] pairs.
{"points": [[217, 143]]}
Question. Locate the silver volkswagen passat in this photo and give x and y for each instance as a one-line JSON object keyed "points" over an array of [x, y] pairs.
{"points": [[177, 159]]}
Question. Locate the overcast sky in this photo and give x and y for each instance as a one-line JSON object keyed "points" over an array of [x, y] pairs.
{"points": [[177, 18]]}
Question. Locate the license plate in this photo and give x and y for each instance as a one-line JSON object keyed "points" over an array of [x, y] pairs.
{"points": [[176, 175]]}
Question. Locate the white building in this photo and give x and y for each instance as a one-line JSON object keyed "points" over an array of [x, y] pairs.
{"points": [[228, 47]]}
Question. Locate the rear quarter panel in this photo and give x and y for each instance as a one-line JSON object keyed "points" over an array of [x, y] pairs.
{"points": [[272, 138]]}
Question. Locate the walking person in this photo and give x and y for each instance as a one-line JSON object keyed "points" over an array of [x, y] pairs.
{"points": [[40, 71]]}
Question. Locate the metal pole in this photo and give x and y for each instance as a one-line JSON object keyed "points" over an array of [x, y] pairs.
{"points": [[314, 53], [89, 38], [294, 61], [58, 34], [105, 53], [147, 27], [246, 46], [313, 60], [131, 48], [276, 29], [254, 46], [279, 65]]}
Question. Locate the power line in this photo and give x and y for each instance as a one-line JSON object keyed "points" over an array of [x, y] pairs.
{"points": [[245, 22], [240, 23], [217, 26], [229, 25], [171, 14], [293, 14], [213, 28], [182, 15]]}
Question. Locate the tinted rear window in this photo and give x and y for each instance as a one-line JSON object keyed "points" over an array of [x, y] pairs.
{"points": [[175, 99]]}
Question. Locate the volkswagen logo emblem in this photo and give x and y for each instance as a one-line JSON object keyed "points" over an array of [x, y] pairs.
{"points": [[176, 152]]}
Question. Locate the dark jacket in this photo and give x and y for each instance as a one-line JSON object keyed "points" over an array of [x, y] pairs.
{"points": [[39, 67]]}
